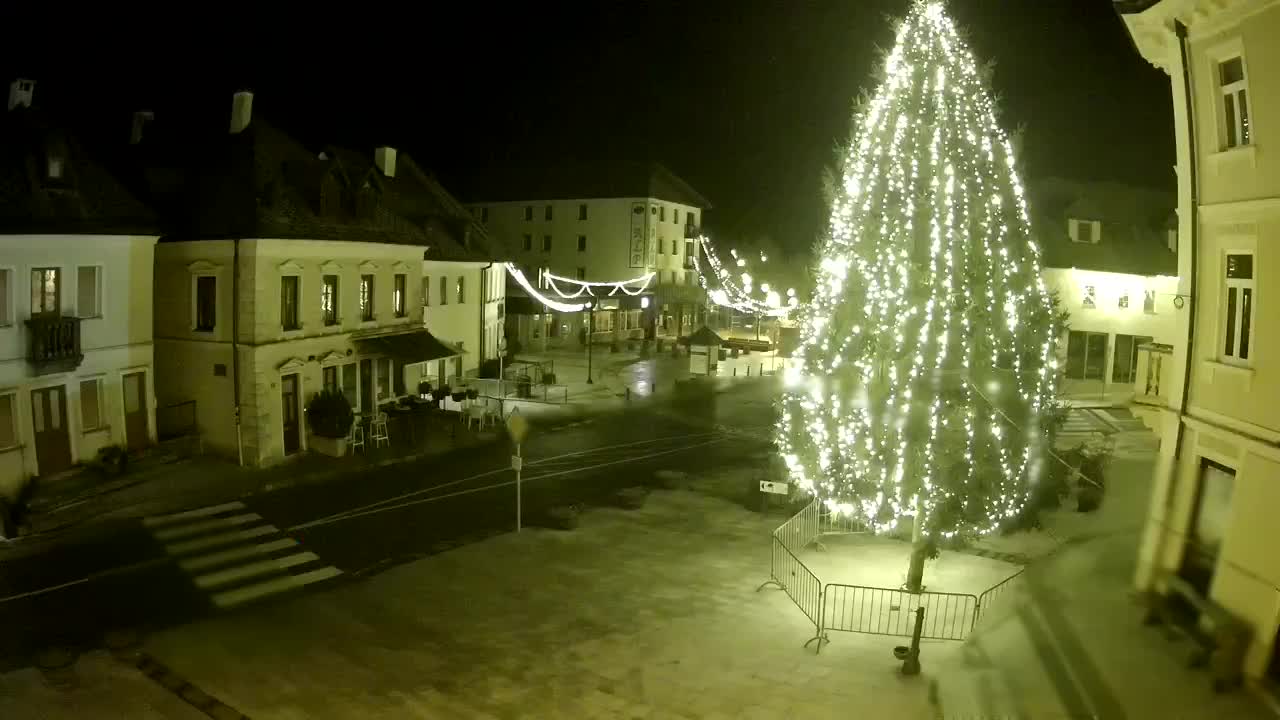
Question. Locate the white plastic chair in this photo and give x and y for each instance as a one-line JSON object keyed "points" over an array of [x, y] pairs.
{"points": [[355, 438], [378, 431]]}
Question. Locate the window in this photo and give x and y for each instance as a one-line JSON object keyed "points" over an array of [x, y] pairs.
{"points": [[675, 249], [528, 242], [484, 214], [546, 213], [675, 216], [1235, 103], [1149, 302], [546, 243], [582, 273], [1086, 355], [426, 290], [206, 303], [462, 289], [444, 290], [289, 302], [1090, 296], [366, 297], [6, 302], [349, 384], [46, 290], [329, 299], [91, 405], [1123, 303], [1085, 231], [89, 291], [384, 378], [8, 421], [691, 220], [1238, 306], [662, 214], [582, 211], [1124, 368], [688, 253], [329, 378], [528, 212], [582, 243], [398, 295], [662, 246]]}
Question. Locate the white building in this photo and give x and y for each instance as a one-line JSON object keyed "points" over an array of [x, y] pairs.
{"points": [[75, 303], [1217, 480], [298, 271], [600, 225], [1109, 251]]}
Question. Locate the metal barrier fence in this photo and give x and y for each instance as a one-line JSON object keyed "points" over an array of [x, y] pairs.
{"points": [[515, 389], [799, 583], [833, 524], [881, 611], [802, 529], [997, 596]]}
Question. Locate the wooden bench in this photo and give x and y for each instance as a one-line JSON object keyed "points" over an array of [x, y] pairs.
{"points": [[1220, 637]]}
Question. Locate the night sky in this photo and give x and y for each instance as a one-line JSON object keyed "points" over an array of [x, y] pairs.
{"points": [[744, 99]]}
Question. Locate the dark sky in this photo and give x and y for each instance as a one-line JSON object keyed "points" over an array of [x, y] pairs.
{"points": [[743, 98]]}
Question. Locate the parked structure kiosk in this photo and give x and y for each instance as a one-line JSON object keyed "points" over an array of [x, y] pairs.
{"points": [[704, 351]]}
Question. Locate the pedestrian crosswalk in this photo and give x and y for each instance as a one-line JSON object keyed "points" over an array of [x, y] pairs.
{"points": [[234, 556]]}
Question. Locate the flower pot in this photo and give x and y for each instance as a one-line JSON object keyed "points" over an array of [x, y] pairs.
{"points": [[333, 447], [472, 393]]}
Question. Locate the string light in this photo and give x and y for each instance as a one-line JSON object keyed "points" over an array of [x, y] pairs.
{"points": [[734, 292], [590, 288], [523, 282], [928, 288]]}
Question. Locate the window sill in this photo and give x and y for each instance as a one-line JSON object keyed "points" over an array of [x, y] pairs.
{"points": [[10, 448], [1242, 151], [100, 428], [203, 331], [90, 317], [1214, 367]]}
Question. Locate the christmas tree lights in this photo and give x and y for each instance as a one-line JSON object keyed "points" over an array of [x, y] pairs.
{"points": [[927, 352]]}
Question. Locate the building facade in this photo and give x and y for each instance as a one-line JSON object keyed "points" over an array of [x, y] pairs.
{"points": [[1110, 253], [598, 227], [1218, 475], [76, 370], [290, 271]]}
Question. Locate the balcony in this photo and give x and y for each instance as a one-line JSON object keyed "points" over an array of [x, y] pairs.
{"points": [[54, 343]]}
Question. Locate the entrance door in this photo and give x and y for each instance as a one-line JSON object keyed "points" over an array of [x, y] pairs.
{"points": [[366, 386], [1086, 355], [289, 413], [49, 420], [135, 410]]}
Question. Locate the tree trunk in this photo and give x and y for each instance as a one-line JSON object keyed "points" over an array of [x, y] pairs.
{"points": [[915, 572]]}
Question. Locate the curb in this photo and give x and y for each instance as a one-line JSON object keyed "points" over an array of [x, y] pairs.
{"points": [[190, 694]]}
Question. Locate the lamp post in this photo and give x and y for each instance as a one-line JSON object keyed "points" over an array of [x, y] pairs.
{"points": [[591, 330]]}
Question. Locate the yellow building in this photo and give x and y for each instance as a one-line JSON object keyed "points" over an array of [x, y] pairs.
{"points": [[1218, 475]]}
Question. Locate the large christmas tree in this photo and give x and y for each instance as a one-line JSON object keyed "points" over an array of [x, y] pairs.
{"points": [[927, 355]]}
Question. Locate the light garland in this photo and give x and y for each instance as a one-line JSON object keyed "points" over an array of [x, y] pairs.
{"points": [[523, 282], [928, 288], [730, 294], [589, 287]]}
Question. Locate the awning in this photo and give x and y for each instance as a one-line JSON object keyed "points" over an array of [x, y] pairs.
{"points": [[409, 347]]}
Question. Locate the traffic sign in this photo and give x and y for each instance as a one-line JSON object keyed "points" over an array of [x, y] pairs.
{"points": [[517, 463], [777, 488], [517, 426]]}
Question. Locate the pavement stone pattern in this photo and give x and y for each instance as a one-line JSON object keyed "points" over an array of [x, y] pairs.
{"points": [[98, 686], [649, 613]]}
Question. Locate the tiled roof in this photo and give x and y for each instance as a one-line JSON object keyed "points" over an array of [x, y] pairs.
{"points": [[263, 183], [566, 181], [85, 199], [1135, 224]]}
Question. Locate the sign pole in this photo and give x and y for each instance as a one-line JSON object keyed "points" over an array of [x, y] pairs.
{"points": [[518, 465], [518, 427]]}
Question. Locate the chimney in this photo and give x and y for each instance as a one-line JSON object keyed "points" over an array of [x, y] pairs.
{"points": [[140, 120], [385, 159], [241, 111], [20, 91]]}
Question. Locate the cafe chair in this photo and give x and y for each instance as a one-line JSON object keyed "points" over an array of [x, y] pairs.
{"points": [[378, 431], [355, 437]]}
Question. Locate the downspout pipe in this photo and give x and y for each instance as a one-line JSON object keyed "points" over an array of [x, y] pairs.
{"points": [[235, 350], [1194, 180]]}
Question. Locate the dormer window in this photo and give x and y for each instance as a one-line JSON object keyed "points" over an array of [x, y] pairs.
{"points": [[55, 167], [1084, 231]]}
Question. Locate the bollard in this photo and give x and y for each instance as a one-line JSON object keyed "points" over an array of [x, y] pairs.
{"points": [[735, 371], [748, 371], [628, 394], [911, 658]]}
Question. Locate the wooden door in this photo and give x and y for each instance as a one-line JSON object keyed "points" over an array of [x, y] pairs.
{"points": [[49, 421], [289, 413], [366, 386], [135, 410]]}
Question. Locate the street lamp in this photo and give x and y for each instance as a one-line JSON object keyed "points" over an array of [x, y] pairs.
{"points": [[591, 330]]}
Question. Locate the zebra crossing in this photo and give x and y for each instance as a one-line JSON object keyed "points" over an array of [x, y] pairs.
{"points": [[234, 556]]}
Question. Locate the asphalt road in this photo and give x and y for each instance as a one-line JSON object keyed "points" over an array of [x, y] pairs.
{"points": [[114, 576]]}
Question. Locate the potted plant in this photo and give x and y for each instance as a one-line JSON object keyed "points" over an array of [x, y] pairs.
{"points": [[330, 417], [112, 460], [424, 389], [472, 393]]}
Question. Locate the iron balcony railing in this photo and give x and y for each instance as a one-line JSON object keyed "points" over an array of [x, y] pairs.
{"points": [[53, 343]]}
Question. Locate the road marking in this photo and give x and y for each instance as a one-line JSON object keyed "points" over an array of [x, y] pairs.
{"points": [[192, 546], [204, 562], [182, 531], [157, 520], [232, 598], [244, 572]]}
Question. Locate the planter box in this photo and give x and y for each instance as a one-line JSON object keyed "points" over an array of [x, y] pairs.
{"points": [[333, 447]]}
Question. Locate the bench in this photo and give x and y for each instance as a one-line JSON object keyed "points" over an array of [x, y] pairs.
{"points": [[1220, 637]]}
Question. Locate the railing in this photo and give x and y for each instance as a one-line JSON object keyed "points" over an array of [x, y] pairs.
{"points": [[799, 583], [515, 390], [54, 343], [997, 597], [802, 529], [881, 611], [839, 524]]}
